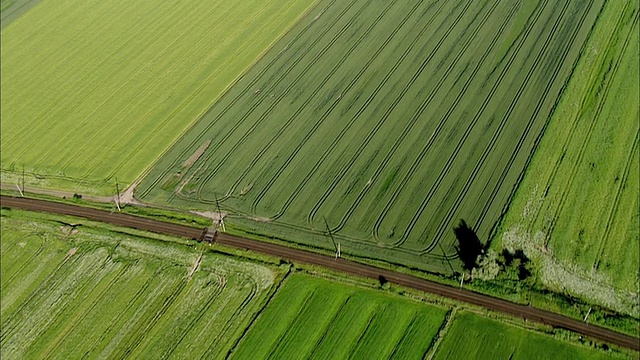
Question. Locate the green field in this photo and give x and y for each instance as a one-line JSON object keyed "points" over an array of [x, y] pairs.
{"points": [[393, 121], [576, 211], [475, 337], [12, 9], [96, 90], [85, 292], [315, 318], [101, 294]]}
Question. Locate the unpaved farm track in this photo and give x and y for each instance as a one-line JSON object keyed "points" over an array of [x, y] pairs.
{"points": [[350, 267]]}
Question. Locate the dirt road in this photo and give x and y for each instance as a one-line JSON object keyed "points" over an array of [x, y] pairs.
{"points": [[350, 267]]}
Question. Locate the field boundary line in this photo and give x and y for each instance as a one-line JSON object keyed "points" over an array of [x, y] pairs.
{"points": [[274, 292], [342, 265], [601, 103], [483, 106], [223, 93], [527, 129], [262, 117], [442, 332]]}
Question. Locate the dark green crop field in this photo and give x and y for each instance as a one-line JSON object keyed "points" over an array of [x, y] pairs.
{"points": [[391, 120]]}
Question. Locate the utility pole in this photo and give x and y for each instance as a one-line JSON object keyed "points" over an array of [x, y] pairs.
{"points": [[446, 258], [587, 316], [21, 191], [117, 196], [331, 236], [220, 219]]}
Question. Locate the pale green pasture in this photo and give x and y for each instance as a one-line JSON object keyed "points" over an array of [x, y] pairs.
{"points": [[97, 90], [100, 294]]}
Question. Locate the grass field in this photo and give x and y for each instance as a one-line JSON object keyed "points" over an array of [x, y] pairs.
{"points": [[576, 211], [393, 121], [315, 318], [85, 292], [93, 293], [12, 9], [96, 90], [472, 336]]}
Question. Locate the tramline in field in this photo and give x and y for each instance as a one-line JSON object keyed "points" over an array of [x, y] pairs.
{"points": [[393, 121], [97, 90]]}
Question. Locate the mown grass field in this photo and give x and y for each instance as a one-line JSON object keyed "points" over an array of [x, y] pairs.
{"points": [[472, 336], [96, 90], [314, 318], [576, 211], [101, 294], [392, 121]]}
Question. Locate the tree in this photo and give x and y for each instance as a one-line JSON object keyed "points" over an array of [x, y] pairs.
{"points": [[469, 246]]}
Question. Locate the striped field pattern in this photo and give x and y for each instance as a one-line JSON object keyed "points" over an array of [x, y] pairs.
{"points": [[391, 120]]}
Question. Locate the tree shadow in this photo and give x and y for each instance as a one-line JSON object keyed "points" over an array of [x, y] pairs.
{"points": [[469, 245]]}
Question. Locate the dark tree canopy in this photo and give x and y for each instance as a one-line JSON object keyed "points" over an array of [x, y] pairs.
{"points": [[469, 246]]}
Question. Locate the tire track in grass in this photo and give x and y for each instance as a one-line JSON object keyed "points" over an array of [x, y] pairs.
{"points": [[51, 282], [302, 107], [321, 119], [229, 324], [25, 263], [584, 143], [405, 333], [138, 333], [119, 316], [616, 201], [263, 94], [258, 313], [414, 118], [498, 133], [211, 150], [467, 131], [576, 118], [300, 306], [126, 333], [38, 120], [399, 140], [375, 315], [343, 170], [156, 130], [537, 110], [214, 294], [540, 135], [265, 115], [353, 119], [418, 160], [328, 327], [61, 337], [28, 327], [199, 136]]}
